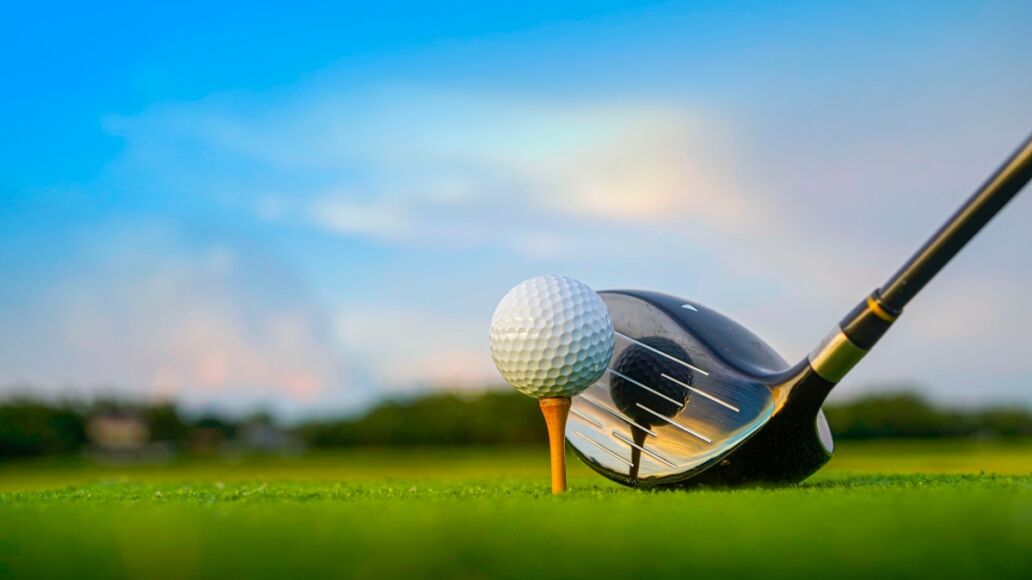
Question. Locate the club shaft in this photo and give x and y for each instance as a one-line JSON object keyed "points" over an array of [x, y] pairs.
{"points": [[858, 332], [963, 225]]}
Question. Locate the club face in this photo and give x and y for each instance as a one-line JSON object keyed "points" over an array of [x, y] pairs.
{"points": [[685, 386]]}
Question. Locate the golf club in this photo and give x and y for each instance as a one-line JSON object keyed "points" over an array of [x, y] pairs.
{"points": [[691, 397]]}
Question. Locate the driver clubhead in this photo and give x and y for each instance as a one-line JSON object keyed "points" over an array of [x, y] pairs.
{"points": [[691, 397]]}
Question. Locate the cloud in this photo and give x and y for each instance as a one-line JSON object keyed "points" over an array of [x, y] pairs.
{"points": [[783, 233], [543, 178], [415, 161], [377, 219], [974, 309], [634, 161], [146, 310], [413, 348]]}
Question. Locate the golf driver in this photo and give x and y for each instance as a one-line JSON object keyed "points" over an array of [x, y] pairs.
{"points": [[691, 397]]}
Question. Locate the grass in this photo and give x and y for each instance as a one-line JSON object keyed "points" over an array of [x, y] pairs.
{"points": [[883, 510]]}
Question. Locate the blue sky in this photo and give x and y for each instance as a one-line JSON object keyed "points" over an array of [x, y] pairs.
{"points": [[310, 207]]}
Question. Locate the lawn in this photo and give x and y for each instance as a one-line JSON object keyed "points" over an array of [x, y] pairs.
{"points": [[878, 510]]}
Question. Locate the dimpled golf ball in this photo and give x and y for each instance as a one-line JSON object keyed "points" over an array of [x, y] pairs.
{"points": [[551, 336]]}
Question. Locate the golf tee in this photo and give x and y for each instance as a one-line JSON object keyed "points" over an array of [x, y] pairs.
{"points": [[556, 410]]}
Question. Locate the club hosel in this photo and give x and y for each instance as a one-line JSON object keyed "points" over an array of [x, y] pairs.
{"points": [[849, 342]]}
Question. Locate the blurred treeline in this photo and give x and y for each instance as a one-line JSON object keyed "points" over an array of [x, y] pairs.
{"points": [[33, 428], [507, 418], [907, 415]]}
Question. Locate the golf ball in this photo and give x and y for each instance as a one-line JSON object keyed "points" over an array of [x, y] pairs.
{"points": [[551, 336]]}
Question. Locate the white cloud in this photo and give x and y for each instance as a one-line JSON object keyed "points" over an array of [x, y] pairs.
{"points": [[143, 311], [974, 310], [417, 160], [415, 348], [375, 218], [651, 188], [544, 178]]}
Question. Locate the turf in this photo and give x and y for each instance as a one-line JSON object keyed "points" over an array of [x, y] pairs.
{"points": [[891, 510]]}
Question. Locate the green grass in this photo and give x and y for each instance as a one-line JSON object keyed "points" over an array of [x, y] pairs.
{"points": [[884, 510]]}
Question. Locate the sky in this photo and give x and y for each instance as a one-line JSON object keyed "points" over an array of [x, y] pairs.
{"points": [[309, 208]]}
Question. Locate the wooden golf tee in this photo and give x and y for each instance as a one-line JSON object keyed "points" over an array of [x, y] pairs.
{"points": [[556, 410]]}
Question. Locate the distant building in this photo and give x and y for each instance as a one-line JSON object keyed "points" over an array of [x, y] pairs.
{"points": [[266, 437], [117, 432], [205, 440]]}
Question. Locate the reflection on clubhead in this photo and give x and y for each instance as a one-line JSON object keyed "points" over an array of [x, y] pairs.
{"points": [[641, 364], [637, 366]]}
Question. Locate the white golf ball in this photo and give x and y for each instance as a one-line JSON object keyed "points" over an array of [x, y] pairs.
{"points": [[551, 336]]}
